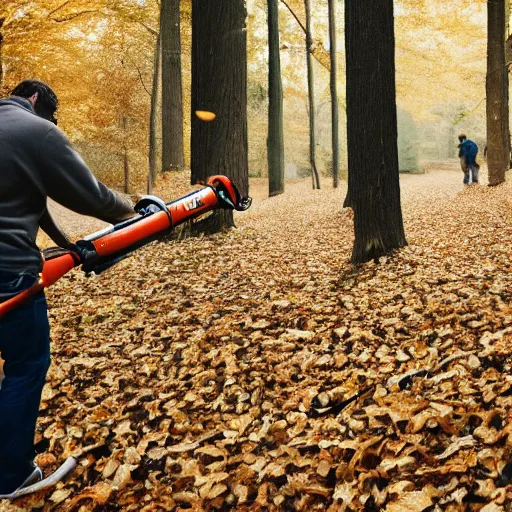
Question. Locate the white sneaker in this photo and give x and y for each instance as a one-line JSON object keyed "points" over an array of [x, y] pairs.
{"points": [[34, 477], [35, 482]]}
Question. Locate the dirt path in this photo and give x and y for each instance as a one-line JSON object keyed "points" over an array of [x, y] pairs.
{"points": [[442, 179]]}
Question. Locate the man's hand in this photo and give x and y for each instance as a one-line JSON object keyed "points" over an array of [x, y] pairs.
{"points": [[147, 205], [152, 208]]}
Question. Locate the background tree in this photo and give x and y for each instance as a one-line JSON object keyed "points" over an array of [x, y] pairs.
{"points": [[2, 20], [311, 97], [124, 124], [82, 36], [334, 93], [172, 102], [372, 129], [219, 85], [153, 121], [275, 139], [498, 131]]}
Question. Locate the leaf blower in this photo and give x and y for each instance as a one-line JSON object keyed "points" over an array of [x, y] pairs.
{"points": [[100, 250]]}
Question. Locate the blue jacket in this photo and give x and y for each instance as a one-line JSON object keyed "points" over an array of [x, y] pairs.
{"points": [[469, 150]]}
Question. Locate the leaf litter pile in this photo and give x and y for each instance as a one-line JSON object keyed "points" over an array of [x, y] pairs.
{"points": [[258, 370]]}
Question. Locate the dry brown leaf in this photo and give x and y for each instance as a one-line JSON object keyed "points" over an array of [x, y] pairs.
{"points": [[208, 361], [415, 501]]}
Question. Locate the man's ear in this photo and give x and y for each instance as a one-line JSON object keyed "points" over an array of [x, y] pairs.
{"points": [[33, 98]]}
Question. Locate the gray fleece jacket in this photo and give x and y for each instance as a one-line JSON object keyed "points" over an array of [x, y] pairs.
{"points": [[37, 162]]}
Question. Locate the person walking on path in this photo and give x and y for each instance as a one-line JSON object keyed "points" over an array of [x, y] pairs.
{"points": [[467, 154], [36, 162]]}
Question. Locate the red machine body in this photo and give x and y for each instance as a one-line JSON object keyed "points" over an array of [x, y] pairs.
{"points": [[103, 249]]}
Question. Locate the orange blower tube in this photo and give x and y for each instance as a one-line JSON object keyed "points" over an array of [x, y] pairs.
{"points": [[104, 248], [186, 208]]}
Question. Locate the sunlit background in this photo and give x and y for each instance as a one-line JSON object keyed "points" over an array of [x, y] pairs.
{"points": [[99, 57]]}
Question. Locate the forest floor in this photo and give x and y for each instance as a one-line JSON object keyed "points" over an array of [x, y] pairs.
{"points": [[211, 373]]}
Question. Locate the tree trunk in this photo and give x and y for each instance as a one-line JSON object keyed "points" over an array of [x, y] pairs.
{"points": [[275, 140], [219, 85], [498, 133], [372, 129], [153, 121], [126, 163], [508, 63], [311, 97], [172, 102], [334, 93], [124, 125], [2, 20]]}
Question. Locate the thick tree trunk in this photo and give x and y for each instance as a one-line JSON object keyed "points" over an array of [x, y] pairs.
{"points": [[153, 121], [334, 93], [508, 13], [172, 102], [219, 85], [372, 129], [498, 133], [2, 20], [311, 97], [275, 140]]}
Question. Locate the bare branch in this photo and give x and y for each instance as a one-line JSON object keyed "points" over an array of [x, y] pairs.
{"points": [[318, 52], [73, 16], [149, 29], [478, 104], [59, 7], [294, 15], [129, 16], [142, 80], [139, 73]]}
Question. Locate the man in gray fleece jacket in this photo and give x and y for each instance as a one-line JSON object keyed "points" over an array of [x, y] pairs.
{"points": [[36, 162]]}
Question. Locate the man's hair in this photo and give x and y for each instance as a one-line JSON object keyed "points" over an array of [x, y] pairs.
{"points": [[462, 137], [47, 102]]}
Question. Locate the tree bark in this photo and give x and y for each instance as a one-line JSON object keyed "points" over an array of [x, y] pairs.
{"points": [[126, 163], [498, 132], [311, 98], [172, 100], [372, 129], [124, 123], [219, 85], [275, 140], [334, 93], [507, 63], [153, 118], [2, 21]]}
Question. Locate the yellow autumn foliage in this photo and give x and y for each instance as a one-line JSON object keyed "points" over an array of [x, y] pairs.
{"points": [[99, 56]]}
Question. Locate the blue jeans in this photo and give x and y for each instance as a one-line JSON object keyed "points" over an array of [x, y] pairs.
{"points": [[25, 348], [471, 174]]}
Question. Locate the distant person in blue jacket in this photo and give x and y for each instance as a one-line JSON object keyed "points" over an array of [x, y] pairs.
{"points": [[467, 154]]}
